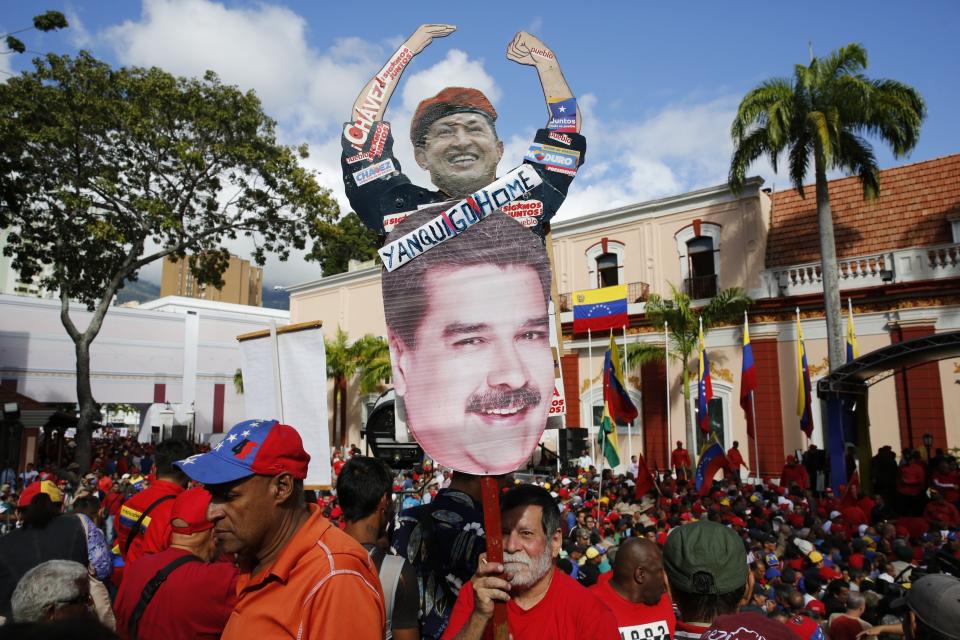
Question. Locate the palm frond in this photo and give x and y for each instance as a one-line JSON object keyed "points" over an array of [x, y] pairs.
{"points": [[640, 353], [857, 157]]}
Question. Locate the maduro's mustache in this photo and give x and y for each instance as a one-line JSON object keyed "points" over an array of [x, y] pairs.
{"points": [[499, 399]]}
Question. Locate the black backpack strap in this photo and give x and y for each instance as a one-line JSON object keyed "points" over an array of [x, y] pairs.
{"points": [[137, 527], [151, 589]]}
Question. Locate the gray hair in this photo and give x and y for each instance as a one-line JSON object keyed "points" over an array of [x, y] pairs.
{"points": [[47, 583], [855, 601]]}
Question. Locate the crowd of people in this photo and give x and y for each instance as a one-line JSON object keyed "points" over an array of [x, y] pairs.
{"points": [[168, 541]]}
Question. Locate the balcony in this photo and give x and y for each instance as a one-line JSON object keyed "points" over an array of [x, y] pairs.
{"points": [[636, 292], [700, 287], [903, 265]]}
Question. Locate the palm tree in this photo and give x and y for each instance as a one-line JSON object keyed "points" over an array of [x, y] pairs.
{"points": [[683, 326], [368, 356], [824, 112]]}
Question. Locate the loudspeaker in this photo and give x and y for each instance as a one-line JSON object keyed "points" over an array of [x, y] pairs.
{"points": [[573, 443]]}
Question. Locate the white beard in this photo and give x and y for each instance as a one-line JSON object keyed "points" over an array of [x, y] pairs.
{"points": [[530, 569]]}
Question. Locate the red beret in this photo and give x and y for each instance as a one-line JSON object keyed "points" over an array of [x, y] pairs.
{"points": [[449, 101]]}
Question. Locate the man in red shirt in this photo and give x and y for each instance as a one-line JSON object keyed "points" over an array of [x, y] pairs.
{"points": [[849, 625], [911, 484], [636, 592], [197, 596], [940, 512], [734, 462], [794, 473], [680, 461], [151, 507], [542, 601]]}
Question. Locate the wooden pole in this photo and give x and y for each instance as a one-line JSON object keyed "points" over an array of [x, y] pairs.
{"points": [[490, 495]]}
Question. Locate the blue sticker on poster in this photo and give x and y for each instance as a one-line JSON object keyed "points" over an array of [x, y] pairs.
{"points": [[563, 115]]}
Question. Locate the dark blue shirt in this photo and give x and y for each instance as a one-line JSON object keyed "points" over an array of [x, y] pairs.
{"points": [[443, 540]]}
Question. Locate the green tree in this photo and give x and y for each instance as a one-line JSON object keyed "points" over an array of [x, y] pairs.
{"points": [[368, 357], [824, 113], [340, 242], [104, 171], [48, 21], [683, 327]]}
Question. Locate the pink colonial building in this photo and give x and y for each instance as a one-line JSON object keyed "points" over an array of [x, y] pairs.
{"points": [[899, 264]]}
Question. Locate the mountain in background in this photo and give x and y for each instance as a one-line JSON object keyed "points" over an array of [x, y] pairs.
{"points": [[139, 291], [273, 299], [144, 291]]}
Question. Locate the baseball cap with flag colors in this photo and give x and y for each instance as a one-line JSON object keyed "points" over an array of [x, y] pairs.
{"points": [[36, 488], [252, 447]]}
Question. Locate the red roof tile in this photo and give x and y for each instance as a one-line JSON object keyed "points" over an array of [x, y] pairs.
{"points": [[915, 204]]}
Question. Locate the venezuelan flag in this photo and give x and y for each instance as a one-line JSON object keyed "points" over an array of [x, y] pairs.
{"points": [[803, 384], [599, 309], [852, 351], [712, 461], [704, 387], [615, 396], [748, 381]]}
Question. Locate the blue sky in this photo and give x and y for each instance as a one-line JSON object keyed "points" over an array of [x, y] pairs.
{"points": [[658, 83]]}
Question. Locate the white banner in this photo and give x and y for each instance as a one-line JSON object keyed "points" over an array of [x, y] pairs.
{"points": [[300, 398]]}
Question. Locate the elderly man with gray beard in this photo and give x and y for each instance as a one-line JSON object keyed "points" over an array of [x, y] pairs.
{"points": [[542, 601]]}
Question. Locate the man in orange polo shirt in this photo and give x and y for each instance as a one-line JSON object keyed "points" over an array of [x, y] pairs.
{"points": [[299, 575]]}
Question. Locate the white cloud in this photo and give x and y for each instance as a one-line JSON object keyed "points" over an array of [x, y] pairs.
{"points": [[678, 149], [262, 48], [78, 34]]}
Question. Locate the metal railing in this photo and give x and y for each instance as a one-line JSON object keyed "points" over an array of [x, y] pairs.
{"points": [[636, 292]]}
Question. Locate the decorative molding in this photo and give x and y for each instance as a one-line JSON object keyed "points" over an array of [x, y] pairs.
{"points": [[817, 369], [721, 372]]}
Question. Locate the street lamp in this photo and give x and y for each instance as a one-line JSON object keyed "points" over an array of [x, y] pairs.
{"points": [[928, 442]]}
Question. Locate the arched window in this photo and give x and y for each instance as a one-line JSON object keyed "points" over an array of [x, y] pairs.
{"points": [[719, 410], [699, 247], [702, 279], [605, 263]]}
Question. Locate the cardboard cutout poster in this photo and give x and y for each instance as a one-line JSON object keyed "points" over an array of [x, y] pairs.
{"points": [[466, 282]]}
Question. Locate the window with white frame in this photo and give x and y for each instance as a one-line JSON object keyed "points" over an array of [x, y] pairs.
{"points": [[591, 411], [719, 410], [605, 263]]}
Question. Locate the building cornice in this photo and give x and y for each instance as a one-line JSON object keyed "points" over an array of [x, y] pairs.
{"points": [[719, 194], [338, 280]]}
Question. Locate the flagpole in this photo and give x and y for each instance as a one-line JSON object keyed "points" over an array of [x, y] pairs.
{"points": [[666, 364], [593, 446], [623, 366], [753, 411], [806, 438]]}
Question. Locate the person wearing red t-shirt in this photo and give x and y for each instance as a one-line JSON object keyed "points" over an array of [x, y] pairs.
{"points": [[940, 512], [542, 601], [734, 462], [849, 625], [151, 507], [946, 480], [911, 483], [197, 596], [636, 592], [680, 461], [794, 473]]}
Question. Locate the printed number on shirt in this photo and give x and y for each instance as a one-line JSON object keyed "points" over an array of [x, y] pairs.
{"points": [[649, 631]]}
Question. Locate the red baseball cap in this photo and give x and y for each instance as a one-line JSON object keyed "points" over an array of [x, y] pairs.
{"points": [[191, 508]]}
